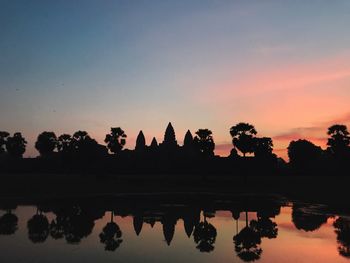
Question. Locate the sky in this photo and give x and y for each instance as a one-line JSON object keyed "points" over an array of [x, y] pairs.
{"points": [[283, 66]]}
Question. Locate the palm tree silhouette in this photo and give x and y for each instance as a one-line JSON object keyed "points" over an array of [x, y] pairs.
{"points": [[204, 236], [115, 140], [38, 228], [342, 229], [243, 135], [8, 223], [247, 243], [111, 235]]}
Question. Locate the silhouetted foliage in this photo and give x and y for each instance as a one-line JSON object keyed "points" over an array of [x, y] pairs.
{"points": [[342, 229], [263, 147], [8, 223], [38, 228], [73, 223], [140, 142], [115, 140], [46, 143], [339, 141], [265, 227], [243, 135], [204, 235], [247, 243], [84, 147], [64, 143], [111, 235], [3, 139], [307, 220], [204, 142], [16, 145], [303, 154]]}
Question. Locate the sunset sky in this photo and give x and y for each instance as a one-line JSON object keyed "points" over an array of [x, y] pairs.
{"points": [[283, 66]]}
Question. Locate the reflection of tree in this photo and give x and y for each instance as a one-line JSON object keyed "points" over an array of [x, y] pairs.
{"points": [[247, 243], [204, 235], [8, 223], [342, 229], [111, 235], [265, 227], [74, 223], [305, 220], [235, 215], [57, 228], [38, 228]]}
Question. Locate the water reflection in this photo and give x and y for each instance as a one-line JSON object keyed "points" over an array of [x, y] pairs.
{"points": [[342, 229], [250, 223], [111, 235], [9, 221]]}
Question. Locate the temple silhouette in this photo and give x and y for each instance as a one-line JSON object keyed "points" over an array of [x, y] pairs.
{"points": [[79, 153]]}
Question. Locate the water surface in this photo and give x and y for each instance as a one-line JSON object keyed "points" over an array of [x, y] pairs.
{"points": [[135, 230]]}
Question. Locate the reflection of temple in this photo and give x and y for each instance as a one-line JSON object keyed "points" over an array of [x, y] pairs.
{"points": [[252, 220], [74, 221]]}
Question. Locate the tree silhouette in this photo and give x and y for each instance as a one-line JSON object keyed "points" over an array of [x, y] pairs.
{"points": [[263, 147], [339, 141], [303, 153], [247, 243], [342, 229], [38, 228], [8, 223], [140, 142], [204, 142], [243, 135], [115, 140], [204, 235], [84, 148], [111, 235], [16, 145], [64, 143], [236, 214], [46, 143], [74, 223], [265, 227], [57, 227], [306, 220], [3, 139]]}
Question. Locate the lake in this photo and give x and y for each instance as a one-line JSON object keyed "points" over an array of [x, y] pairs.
{"points": [[176, 228]]}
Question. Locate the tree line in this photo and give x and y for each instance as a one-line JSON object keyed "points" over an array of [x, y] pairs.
{"points": [[246, 143]]}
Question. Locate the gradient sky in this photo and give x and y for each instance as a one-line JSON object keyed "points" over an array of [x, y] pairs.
{"points": [[283, 66]]}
